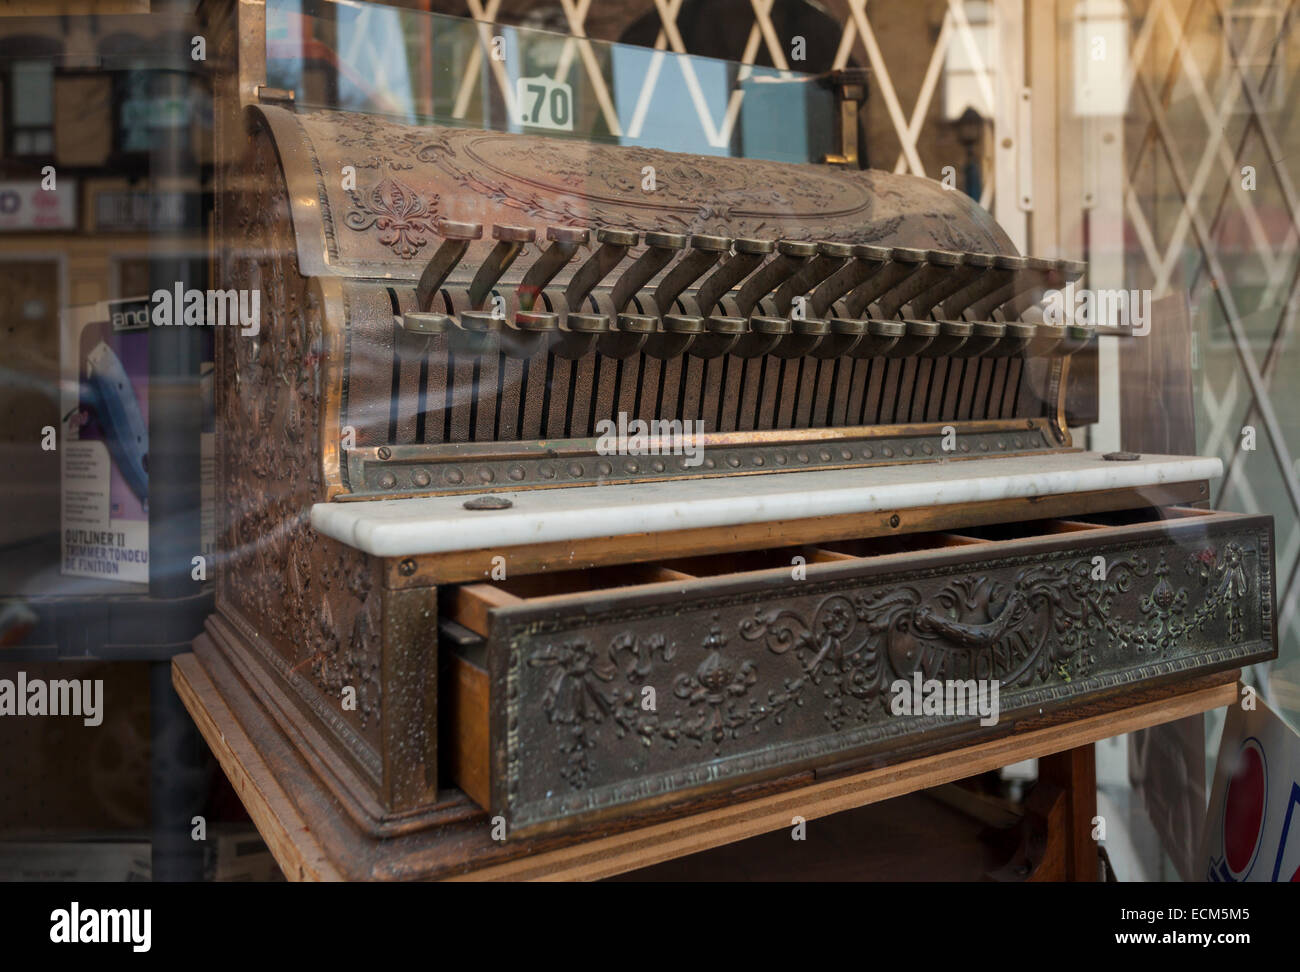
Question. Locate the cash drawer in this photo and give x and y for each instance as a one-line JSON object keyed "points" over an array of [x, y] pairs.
{"points": [[572, 696]]}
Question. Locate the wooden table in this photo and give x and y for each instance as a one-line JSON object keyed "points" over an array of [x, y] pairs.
{"points": [[1064, 746]]}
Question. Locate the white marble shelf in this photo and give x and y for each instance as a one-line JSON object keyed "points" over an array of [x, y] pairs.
{"points": [[441, 524]]}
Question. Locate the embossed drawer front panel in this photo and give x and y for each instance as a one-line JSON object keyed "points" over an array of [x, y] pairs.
{"points": [[627, 696]]}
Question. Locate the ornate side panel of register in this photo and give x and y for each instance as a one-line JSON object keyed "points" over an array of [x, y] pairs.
{"points": [[439, 579]]}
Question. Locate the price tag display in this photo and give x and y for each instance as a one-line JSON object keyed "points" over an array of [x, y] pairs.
{"points": [[543, 103]]}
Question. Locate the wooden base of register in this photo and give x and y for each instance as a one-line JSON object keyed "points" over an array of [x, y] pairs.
{"points": [[311, 837]]}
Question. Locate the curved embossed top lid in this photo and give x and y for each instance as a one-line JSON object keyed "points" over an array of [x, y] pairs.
{"points": [[379, 218]]}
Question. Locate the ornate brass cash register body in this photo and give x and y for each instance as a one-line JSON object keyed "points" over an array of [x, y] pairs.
{"points": [[460, 599]]}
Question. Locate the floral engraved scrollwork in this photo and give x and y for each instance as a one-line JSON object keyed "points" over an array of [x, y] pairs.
{"points": [[1165, 608], [580, 694], [574, 691], [558, 181], [405, 219], [314, 607], [638, 654], [1227, 577], [714, 688], [576, 698], [1044, 624]]}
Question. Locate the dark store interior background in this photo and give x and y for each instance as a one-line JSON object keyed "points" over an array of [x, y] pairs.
{"points": [[110, 96]]}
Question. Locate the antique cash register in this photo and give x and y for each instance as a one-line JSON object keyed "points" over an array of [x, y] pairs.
{"points": [[554, 498]]}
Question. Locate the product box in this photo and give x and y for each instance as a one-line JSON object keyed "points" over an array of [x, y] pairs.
{"points": [[105, 441], [107, 860]]}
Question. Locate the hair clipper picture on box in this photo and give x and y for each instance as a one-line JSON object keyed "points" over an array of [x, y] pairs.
{"points": [[109, 401]]}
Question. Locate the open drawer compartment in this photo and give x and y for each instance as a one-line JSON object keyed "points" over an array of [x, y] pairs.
{"points": [[572, 696]]}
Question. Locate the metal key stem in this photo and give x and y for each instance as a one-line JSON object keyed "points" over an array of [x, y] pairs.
{"points": [[705, 252], [510, 243], [660, 250], [614, 245], [456, 240], [749, 254], [565, 241], [791, 255], [1000, 274], [903, 262], [830, 258], [533, 329], [674, 333], [1029, 286], [970, 268], [867, 260], [724, 331], [932, 269]]}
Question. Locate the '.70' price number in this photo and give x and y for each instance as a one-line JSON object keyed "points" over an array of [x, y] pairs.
{"points": [[544, 103]]}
